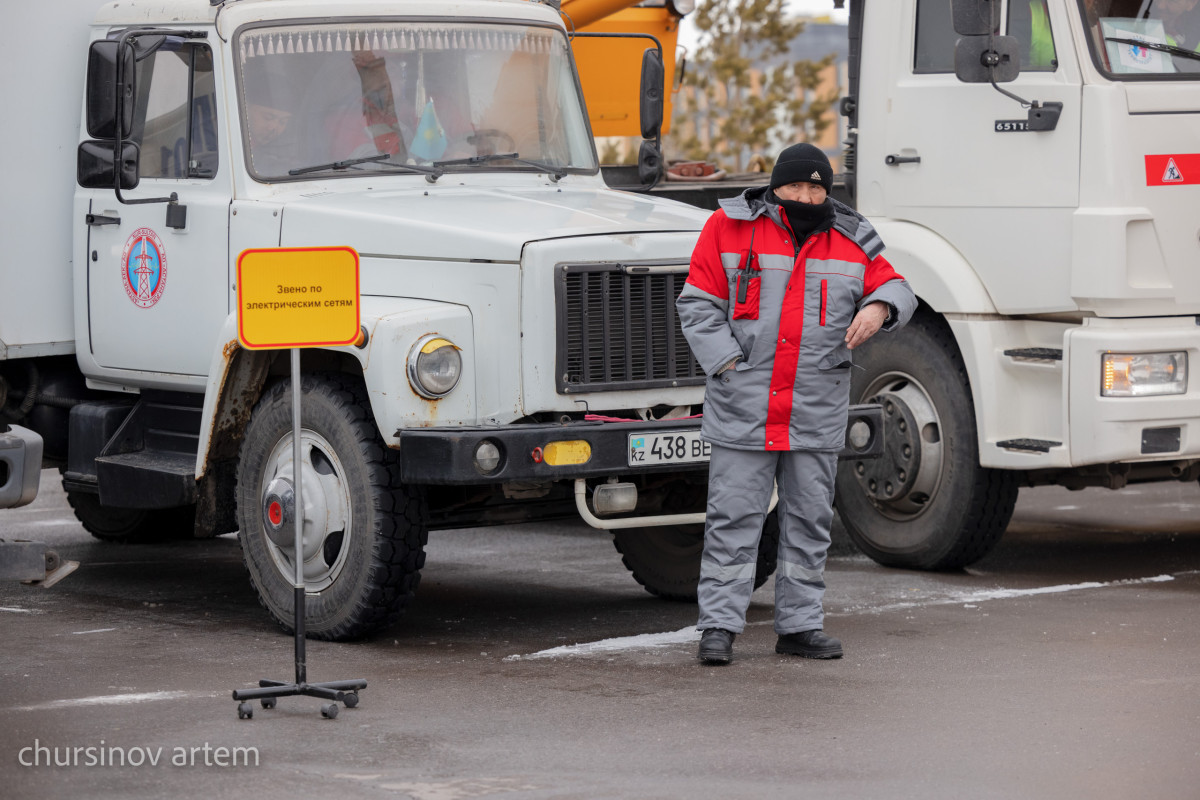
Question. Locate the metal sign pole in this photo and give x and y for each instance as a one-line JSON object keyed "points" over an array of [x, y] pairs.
{"points": [[337, 691], [298, 481]]}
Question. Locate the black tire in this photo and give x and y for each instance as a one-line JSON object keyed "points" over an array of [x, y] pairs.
{"points": [[131, 525], [365, 561], [926, 503], [666, 560]]}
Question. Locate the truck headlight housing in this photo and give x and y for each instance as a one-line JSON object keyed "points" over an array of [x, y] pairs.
{"points": [[434, 366], [1142, 374]]}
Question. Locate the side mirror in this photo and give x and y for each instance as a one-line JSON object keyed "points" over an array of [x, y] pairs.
{"points": [[650, 163], [975, 17], [651, 109], [981, 56], [96, 169], [102, 90], [982, 59]]}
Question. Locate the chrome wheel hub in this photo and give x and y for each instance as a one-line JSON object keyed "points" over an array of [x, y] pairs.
{"points": [[905, 478], [326, 527]]}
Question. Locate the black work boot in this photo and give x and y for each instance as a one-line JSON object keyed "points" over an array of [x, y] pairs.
{"points": [[716, 646], [809, 644]]}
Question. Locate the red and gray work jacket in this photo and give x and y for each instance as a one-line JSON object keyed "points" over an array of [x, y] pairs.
{"points": [[783, 311]]}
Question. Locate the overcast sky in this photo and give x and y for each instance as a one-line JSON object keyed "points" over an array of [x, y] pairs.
{"points": [[687, 32], [817, 7]]}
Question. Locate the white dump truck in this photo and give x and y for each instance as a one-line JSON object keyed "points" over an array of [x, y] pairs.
{"points": [[1034, 168], [520, 357]]}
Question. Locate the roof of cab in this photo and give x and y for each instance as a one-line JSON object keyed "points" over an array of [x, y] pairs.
{"points": [[237, 12]]}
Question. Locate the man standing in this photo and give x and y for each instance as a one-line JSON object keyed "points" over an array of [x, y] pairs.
{"points": [[784, 283]]}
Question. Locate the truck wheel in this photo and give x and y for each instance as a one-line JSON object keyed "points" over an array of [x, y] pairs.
{"points": [[666, 560], [364, 532], [926, 503], [131, 525]]}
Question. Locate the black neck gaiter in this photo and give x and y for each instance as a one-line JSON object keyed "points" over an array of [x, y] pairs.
{"points": [[805, 218]]}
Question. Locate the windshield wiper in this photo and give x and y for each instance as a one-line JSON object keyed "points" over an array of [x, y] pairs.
{"points": [[556, 171], [1166, 48], [350, 162], [430, 173]]}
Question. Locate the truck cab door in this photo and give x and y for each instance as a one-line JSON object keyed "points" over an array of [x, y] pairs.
{"points": [[957, 158], [157, 288]]}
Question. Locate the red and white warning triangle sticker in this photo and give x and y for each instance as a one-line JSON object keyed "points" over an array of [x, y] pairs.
{"points": [[1172, 173], [1173, 169]]}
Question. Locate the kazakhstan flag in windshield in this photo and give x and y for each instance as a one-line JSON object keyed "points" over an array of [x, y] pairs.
{"points": [[430, 141]]}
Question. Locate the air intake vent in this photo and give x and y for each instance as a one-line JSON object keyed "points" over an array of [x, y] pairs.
{"points": [[617, 328]]}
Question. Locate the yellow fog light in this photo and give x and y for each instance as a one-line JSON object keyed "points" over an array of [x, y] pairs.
{"points": [[1142, 374], [559, 454]]}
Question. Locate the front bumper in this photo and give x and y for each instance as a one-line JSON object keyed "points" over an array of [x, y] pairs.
{"points": [[20, 465], [1118, 429], [445, 456]]}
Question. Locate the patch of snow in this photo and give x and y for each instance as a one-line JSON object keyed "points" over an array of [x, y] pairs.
{"points": [[106, 700], [639, 642], [999, 594]]}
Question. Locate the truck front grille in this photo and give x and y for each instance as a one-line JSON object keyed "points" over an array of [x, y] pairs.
{"points": [[617, 328]]}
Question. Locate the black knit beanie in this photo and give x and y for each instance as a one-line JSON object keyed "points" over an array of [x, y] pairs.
{"points": [[802, 162]]}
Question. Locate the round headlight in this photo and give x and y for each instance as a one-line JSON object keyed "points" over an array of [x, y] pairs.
{"points": [[434, 366]]}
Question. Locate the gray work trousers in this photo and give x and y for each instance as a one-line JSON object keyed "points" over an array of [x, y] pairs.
{"points": [[739, 492]]}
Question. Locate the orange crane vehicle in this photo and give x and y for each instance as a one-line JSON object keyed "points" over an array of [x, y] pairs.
{"points": [[609, 68]]}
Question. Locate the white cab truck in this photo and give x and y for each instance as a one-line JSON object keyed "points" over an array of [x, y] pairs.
{"points": [[1052, 233], [519, 358]]}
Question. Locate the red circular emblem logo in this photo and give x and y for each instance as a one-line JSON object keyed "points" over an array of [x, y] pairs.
{"points": [[144, 268]]}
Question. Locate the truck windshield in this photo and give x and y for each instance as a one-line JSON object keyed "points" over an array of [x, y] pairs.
{"points": [[418, 93], [1144, 39]]}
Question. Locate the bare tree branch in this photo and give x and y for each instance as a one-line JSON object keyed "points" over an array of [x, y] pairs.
{"points": [[742, 99]]}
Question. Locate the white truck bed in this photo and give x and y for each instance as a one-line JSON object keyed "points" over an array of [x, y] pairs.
{"points": [[45, 66]]}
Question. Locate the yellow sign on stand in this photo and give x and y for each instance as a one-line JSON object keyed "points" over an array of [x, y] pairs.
{"points": [[290, 298], [297, 297]]}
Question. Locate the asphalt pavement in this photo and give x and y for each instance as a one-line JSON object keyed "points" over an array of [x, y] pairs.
{"points": [[1065, 664]]}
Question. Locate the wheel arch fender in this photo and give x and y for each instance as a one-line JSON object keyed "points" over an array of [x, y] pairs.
{"points": [[948, 288], [237, 378], [937, 272], [228, 362]]}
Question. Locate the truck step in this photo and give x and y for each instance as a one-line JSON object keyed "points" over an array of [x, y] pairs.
{"points": [[147, 479], [1030, 445], [1035, 354], [160, 421], [142, 456]]}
